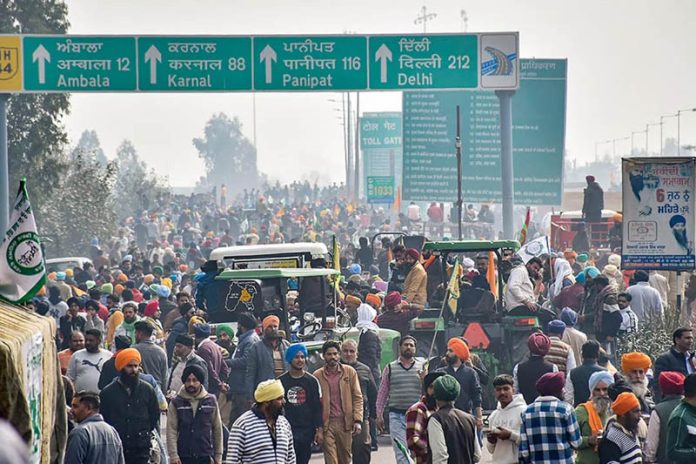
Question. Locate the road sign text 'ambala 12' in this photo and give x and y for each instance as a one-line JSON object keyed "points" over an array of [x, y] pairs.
{"points": [[65, 63]]}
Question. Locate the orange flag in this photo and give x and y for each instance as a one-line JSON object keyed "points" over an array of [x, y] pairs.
{"points": [[490, 274]]}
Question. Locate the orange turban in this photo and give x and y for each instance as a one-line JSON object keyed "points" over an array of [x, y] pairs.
{"points": [[52, 276], [124, 357], [635, 360], [354, 300], [122, 277], [624, 403], [148, 279], [118, 289], [374, 300], [459, 347], [268, 320]]}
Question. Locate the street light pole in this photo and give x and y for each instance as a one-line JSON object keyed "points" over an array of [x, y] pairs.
{"points": [[424, 18], [647, 133], [662, 118], [679, 128]]}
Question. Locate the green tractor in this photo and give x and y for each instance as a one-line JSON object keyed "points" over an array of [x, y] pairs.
{"points": [[499, 340], [263, 292]]}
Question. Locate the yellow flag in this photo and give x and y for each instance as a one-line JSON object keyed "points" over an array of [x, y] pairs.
{"points": [[453, 287]]}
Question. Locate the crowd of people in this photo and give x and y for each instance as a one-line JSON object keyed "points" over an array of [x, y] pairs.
{"points": [[149, 379]]}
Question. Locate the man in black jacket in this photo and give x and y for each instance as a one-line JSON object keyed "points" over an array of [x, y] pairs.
{"points": [[362, 444], [593, 201], [469, 398], [130, 405], [679, 358], [184, 356], [109, 372]]}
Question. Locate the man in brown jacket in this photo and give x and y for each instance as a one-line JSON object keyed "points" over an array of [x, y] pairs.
{"points": [[415, 286], [341, 404]]}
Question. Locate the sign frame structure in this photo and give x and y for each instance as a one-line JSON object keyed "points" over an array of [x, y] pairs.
{"points": [[659, 215], [32, 61]]}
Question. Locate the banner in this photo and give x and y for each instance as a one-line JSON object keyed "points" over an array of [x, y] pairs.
{"points": [[535, 248], [380, 189], [381, 146], [22, 268], [658, 211]]}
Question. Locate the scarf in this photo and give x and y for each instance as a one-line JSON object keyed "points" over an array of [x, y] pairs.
{"points": [[593, 417], [366, 317], [130, 328]]}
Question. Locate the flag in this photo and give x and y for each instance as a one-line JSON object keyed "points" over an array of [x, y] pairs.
{"points": [[336, 263], [453, 287], [22, 267], [536, 247], [523, 232], [490, 274]]}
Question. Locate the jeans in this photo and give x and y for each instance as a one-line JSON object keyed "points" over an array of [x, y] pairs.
{"points": [[397, 431], [302, 441]]}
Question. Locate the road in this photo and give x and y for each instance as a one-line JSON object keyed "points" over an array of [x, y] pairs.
{"points": [[385, 454]]}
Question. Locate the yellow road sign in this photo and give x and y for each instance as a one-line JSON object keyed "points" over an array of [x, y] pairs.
{"points": [[10, 63]]}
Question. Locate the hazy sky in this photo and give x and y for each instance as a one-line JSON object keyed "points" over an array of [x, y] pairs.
{"points": [[629, 61]]}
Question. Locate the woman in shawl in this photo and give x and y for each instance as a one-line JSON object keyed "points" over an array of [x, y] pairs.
{"points": [[564, 277]]}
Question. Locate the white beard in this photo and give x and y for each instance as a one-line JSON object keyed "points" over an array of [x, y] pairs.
{"points": [[640, 389]]}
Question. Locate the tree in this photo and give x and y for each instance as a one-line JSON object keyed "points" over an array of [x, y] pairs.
{"points": [[230, 158], [136, 188], [84, 209], [89, 148], [36, 136]]}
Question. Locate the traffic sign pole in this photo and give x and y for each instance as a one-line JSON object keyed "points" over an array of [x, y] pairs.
{"points": [[507, 175], [4, 167]]}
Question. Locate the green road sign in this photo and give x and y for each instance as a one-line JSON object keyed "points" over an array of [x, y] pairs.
{"points": [[380, 189], [424, 62], [310, 63], [381, 146], [79, 63], [180, 64], [538, 118]]}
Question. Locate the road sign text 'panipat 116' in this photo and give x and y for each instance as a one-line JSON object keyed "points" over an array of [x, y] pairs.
{"points": [[65, 63]]}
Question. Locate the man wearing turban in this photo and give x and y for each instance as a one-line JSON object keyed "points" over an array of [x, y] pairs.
{"points": [[302, 403], [416, 283], [620, 440], [538, 442], [470, 392], [130, 405], [194, 428], [593, 416], [266, 359], [451, 432], [250, 441], [634, 366], [672, 389], [417, 419], [593, 201], [398, 314], [528, 372]]}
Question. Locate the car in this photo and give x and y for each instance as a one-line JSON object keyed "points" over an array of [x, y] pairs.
{"points": [[61, 264]]}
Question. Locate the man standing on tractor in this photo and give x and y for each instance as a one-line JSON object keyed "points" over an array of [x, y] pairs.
{"points": [[415, 286]]}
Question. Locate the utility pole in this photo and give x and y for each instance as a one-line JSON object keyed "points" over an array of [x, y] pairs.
{"points": [[357, 148], [424, 18], [465, 20], [349, 178]]}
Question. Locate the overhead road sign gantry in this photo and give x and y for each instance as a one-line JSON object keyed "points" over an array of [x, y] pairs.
{"points": [[79, 63], [65, 63], [196, 64]]}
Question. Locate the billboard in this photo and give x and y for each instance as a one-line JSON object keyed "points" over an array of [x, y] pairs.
{"points": [[658, 208], [538, 118], [381, 147]]}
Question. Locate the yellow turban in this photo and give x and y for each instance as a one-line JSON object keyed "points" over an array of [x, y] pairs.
{"points": [[124, 357], [69, 273], [148, 279], [167, 282], [195, 320], [269, 390], [354, 300], [625, 402], [635, 360]]}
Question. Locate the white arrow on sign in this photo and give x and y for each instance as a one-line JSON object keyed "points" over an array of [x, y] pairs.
{"points": [[42, 56], [269, 56], [383, 55], [154, 56]]}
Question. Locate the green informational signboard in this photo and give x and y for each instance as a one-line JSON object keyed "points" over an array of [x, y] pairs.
{"points": [[180, 64], [381, 146], [380, 189], [310, 63], [538, 116], [76, 63]]}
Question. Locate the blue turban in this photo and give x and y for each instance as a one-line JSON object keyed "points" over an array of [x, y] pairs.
{"points": [[600, 376], [292, 351], [592, 271], [355, 269], [580, 278], [60, 275], [556, 327], [569, 316], [293, 285], [163, 291], [677, 219]]}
